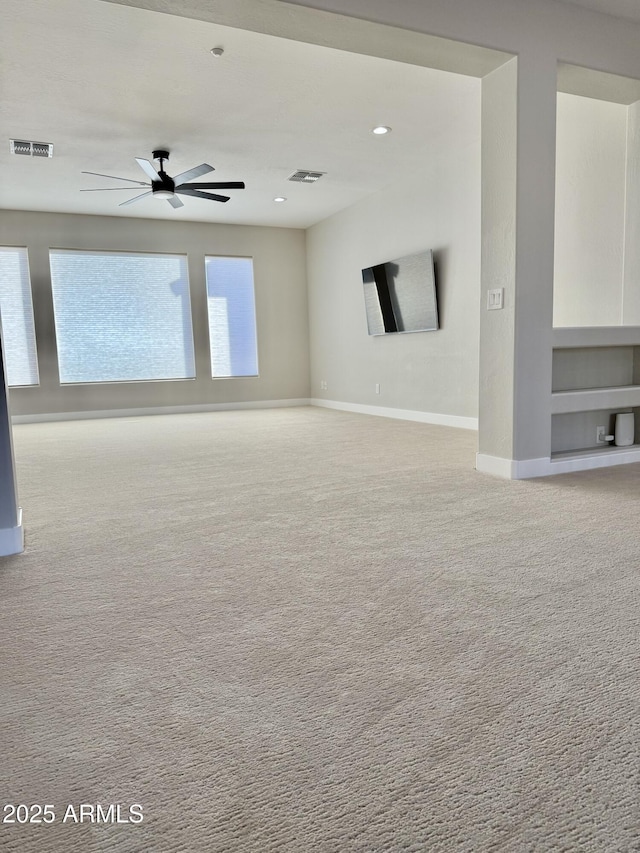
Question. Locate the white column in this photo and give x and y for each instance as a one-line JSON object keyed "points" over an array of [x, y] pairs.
{"points": [[631, 278], [518, 201], [11, 533]]}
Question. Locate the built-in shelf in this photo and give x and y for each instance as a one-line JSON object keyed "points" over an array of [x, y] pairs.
{"points": [[593, 457], [595, 399], [596, 376], [595, 336], [601, 450]]}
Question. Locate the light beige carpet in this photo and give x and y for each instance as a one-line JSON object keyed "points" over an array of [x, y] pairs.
{"points": [[303, 630]]}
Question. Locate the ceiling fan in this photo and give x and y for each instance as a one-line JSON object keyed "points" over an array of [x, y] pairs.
{"points": [[164, 186]]}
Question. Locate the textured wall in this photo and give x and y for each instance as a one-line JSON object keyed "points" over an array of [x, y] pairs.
{"points": [[590, 212], [281, 309], [437, 209], [631, 286]]}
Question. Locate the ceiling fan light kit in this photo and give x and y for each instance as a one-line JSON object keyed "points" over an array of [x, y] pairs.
{"points": [[163, 186]]}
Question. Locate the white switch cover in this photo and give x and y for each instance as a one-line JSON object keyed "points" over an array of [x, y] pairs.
{"points": [[495, 299]]}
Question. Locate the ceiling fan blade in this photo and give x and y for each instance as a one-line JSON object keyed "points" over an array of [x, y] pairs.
{"points": [[148, 169], [100, 175], [175, 202], [135, 198], [199, 194], [230, 185], [108, 189], [202, 169]]}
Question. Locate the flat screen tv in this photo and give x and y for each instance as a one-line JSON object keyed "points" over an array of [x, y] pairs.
{"points": [[400, 295]]}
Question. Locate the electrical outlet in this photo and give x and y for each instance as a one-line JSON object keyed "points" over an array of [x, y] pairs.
{"points": [[323, 384], [600, 435]]}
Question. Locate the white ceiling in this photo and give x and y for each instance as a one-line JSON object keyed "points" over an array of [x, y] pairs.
{"points": [[106, 83]]}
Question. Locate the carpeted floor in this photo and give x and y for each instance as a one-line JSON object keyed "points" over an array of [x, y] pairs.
{"points": [[302, 630]]}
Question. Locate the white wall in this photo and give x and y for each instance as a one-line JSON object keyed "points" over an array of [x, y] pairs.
{"points": [[590, 212], [438, 209], [591, 202], [281, 309], [631, 293]]}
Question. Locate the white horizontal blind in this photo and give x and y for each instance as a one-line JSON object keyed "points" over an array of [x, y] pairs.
{"points": [[16, 314], [121, 316], [232, 317]]}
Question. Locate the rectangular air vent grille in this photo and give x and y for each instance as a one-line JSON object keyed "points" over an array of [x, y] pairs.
{"points": [[31, 149], [305, 177]]}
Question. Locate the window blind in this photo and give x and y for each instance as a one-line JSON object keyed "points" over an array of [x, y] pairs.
{"points": [[232, 316], [16, 316], [121, 316]]}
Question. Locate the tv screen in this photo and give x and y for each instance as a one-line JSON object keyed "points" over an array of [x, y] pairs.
{"points": [[400, 295]]}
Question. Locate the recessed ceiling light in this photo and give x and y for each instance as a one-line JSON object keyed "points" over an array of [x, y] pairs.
{"points": [[380, 130], [280, 198], [217, 51]]}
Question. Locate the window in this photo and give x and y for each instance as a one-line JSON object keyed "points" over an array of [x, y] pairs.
{"points": [[232, 317], [16, 314], [121, 317]]}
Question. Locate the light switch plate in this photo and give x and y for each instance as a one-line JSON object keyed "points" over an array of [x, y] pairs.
{"points": [[495, 299]]}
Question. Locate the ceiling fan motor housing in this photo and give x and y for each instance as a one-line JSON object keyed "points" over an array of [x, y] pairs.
{"points": [[167, 184]]}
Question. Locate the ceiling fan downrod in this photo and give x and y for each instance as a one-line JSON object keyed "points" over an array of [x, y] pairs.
{"points": [[164, 188]]}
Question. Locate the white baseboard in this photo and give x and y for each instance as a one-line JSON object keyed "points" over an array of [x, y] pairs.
{"points": [[159, 410], [12, 538], [513, 469], [382, 411], [494, 465], [400, 414], [524, 469], [589, 461]]}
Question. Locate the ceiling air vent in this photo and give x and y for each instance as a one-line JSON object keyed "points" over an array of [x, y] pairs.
{"points": [[32, 149], [305, 177]]}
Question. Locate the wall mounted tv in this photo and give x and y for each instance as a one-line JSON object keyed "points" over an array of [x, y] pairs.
{"points": [[400, 295]]}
